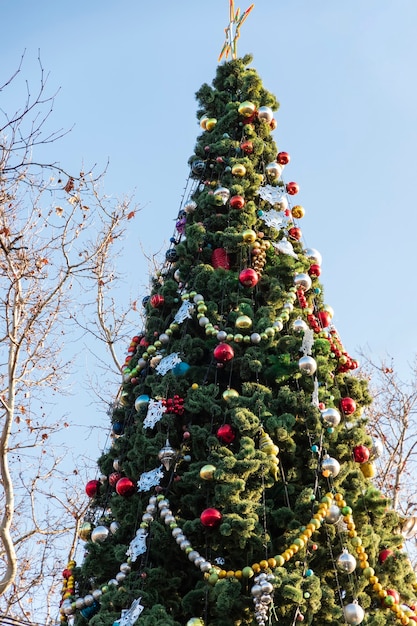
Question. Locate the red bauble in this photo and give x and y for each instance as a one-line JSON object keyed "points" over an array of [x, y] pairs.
{"points": [[348, 405], [237, 202], [361, 454], [248, 277], [67, 573], [226, 434], [92, 487], [247, 147], [114, 478], [157, 300], [295, 233], [384, 554], [325, 318], [125, 487], [223, 352], [292, 188], [211, 518], [283, 158], [220, 258], [315, 270]]}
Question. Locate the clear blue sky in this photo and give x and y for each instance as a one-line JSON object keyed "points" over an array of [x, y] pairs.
{"points": [[344, 73]]}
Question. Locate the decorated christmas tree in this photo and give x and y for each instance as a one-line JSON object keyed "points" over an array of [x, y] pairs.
{"points": [[238, 486]]}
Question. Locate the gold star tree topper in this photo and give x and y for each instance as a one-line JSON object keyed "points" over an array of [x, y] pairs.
{"points": [[232, 30]]}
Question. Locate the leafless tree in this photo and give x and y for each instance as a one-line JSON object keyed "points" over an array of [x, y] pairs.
{"points": [[58, 235]]}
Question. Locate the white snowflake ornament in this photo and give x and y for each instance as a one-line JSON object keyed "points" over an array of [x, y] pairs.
{"points": [[138, 544], [184, 312], [168, 363], [129, 616], [285, 247], [308, 341], [155, 412], [150, 479]]}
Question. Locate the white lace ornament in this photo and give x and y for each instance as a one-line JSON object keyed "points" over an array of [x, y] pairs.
{"points": [[270, 194], [308, 341], [315, 394], [138, 544], [274, 219], [150, 479], [155, 412], [285, 247], [129, 616], [168, 363], [184, 312]]}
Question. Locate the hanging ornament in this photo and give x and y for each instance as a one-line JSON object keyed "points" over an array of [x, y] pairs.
{"points": [[114, 527], [195, 621], [92, 488], [223, 353], [298, 212], [130, 616], [243, 322], [307, 365], [408, 528], [226, 434], [223, 193], [230, 394], [314, 271], [348, 405], [167, 455], [313, 255], [273, 170], [141, 402], [156, 410], [299, 326], [361, 454], [285, 247], [210, 123], [246, 147], [150, 479], [239, 170], [324, 316], [367, 469], [333, 514], [354, 613], [265, 114], [262, 592], [198, 167], [157, 301], [84, 531], [114, 478], [249, 236], [292, 188], [295, 233], [220, 258], [248, 277], [99, 534], [190, 206], [331, 416], [207, 472], [210, 518], [237, 202], [283, 158], [346, 562], [246, 109], [125, 487], [330, 466], [302, 281], [377, 448], [384, 554]]}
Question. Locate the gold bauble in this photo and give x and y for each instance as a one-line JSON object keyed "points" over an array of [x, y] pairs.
{"points": [[203, 121], [249, 236], [84, 531], [367, 469], [243, 322], [230, 394], [210, 123], [207, 472], [297, 211], [238, 170], [246, 108]]}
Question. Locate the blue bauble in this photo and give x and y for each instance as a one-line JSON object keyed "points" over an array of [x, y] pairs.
{"points": [[118, 428], [180, 369]]}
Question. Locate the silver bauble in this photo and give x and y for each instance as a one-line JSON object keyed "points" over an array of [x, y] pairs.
{"points": [[79, 603], [163, 338], [255, 338], [354, 613], [256, 590], [190, 207], [221, 335], [408, 528], [333, 514], [88, 600], [167, 455], [120, 576], [97, 593], [193, 555], [377, 448], [331, 465], [282, 203], [125, 568], [346, 562], [99, 534], [116, 465], [299, 325], [331, 416], [302, 281], [203, 321], [307, 365], [177, 276], [67, 608], [313, 255], [265, 114], [273, 170], [223, 192]]}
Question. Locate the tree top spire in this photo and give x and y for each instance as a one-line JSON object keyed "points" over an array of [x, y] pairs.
{"points": [[232, 30]]}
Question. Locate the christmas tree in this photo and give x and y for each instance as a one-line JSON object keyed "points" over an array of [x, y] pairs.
{"points": [[238, 486]]}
